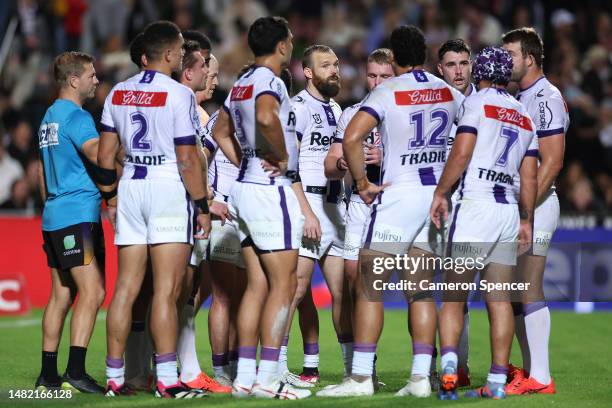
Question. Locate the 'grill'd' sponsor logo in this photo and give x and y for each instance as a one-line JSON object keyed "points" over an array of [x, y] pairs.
{"points": [[423, 96], [242, 93], [508, 116], [139, 98]]}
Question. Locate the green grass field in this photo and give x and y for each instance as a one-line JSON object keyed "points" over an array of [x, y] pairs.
{"points": [[579, 347]]}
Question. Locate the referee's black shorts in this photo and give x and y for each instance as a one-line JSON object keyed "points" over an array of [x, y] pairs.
{"points": [[75, 245]]}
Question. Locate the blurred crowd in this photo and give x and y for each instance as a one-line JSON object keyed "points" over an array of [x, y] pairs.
{"points": [[577, 44]]}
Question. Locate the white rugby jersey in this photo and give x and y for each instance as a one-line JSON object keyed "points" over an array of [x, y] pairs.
{"points": [[240, 104], [316, 122], [152, 113], [547, 109], [221, 173], [372, 170], [453, 132], [415, 112], [504, 136]]}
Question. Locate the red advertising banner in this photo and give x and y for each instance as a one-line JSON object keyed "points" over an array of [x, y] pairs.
{"points": [[25, 279]]}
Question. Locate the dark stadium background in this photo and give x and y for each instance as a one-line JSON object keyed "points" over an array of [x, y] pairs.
{"points": [[578, 49]]}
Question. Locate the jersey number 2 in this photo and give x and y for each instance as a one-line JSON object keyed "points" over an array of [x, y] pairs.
{"points": [[139, 141]]}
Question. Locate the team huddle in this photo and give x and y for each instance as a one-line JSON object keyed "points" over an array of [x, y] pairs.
{"points": [[242, 204]]}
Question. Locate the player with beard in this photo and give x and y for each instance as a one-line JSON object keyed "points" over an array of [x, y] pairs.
{"points": [[378, 70], [455, 68], [161, 174], [317, 115], [549, 112]]}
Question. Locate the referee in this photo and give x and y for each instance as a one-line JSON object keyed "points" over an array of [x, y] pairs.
{"points": [[72, 232]]}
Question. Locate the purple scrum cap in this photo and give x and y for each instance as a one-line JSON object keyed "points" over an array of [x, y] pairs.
{"points": [[492, 64]]}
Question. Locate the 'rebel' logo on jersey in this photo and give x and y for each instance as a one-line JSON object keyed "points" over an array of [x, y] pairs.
{"points": [[241, 93], [423, 96], [139, 98], [508, 116]]}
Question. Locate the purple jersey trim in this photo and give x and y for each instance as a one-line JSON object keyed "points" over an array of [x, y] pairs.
{"points": [[140, 173], [467, 129], [286, 219], [551, 132], [371, 111], [532, 153], [272, 93], [185, 141]]}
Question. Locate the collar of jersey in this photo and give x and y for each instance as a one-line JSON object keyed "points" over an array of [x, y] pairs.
{"points": [[255, 66], [532, 85], [315, 98]]}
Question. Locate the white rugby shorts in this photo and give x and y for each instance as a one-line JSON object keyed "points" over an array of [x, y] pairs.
{"points": [[331, 218]]}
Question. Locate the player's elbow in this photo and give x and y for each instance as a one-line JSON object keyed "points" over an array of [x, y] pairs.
{"points": [[264, 119]]}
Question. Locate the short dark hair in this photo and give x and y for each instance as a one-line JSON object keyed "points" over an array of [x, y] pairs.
{"points": [[457, 45], [189, 58], [408, 46], [307, 60], [265, 34], [159, 35], [198, 36], [531, 42], [287, 78], [381, 56], [137, 49], [70, 63]]}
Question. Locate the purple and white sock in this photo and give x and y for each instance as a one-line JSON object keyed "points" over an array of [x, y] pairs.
{"points": [[232, 356], [267, 372], [247, 366], [421, 359], [115, 371], [282, 358], [311, 355], [497, 374], [220, 364], [537, 327], [166, 368], [363, 359], [449, 358]]}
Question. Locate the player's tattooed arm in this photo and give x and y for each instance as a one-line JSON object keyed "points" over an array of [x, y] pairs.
{"points": [[551, 150], [223, 133]]}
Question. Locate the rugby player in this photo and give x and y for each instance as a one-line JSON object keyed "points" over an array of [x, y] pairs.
{"points": [[413, 158], [154, 118], [378, 69], [494, 147], [455, 68], [549, 112], [267, 209], [317, 116], [194, 75], [71, 226]]}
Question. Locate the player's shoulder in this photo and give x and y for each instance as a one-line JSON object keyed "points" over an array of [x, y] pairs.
{"points": [[352, 109], [300, 98], [211, 121]]}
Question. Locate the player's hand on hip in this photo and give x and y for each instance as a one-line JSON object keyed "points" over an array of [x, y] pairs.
{"points": [[220, 210], [525, 236], [439, 210], [312, 227], [204, 226], [373, 154], [371, 191], [273, 170]]}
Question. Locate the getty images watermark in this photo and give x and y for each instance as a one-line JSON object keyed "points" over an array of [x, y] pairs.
{"points": [[485, 268]]}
